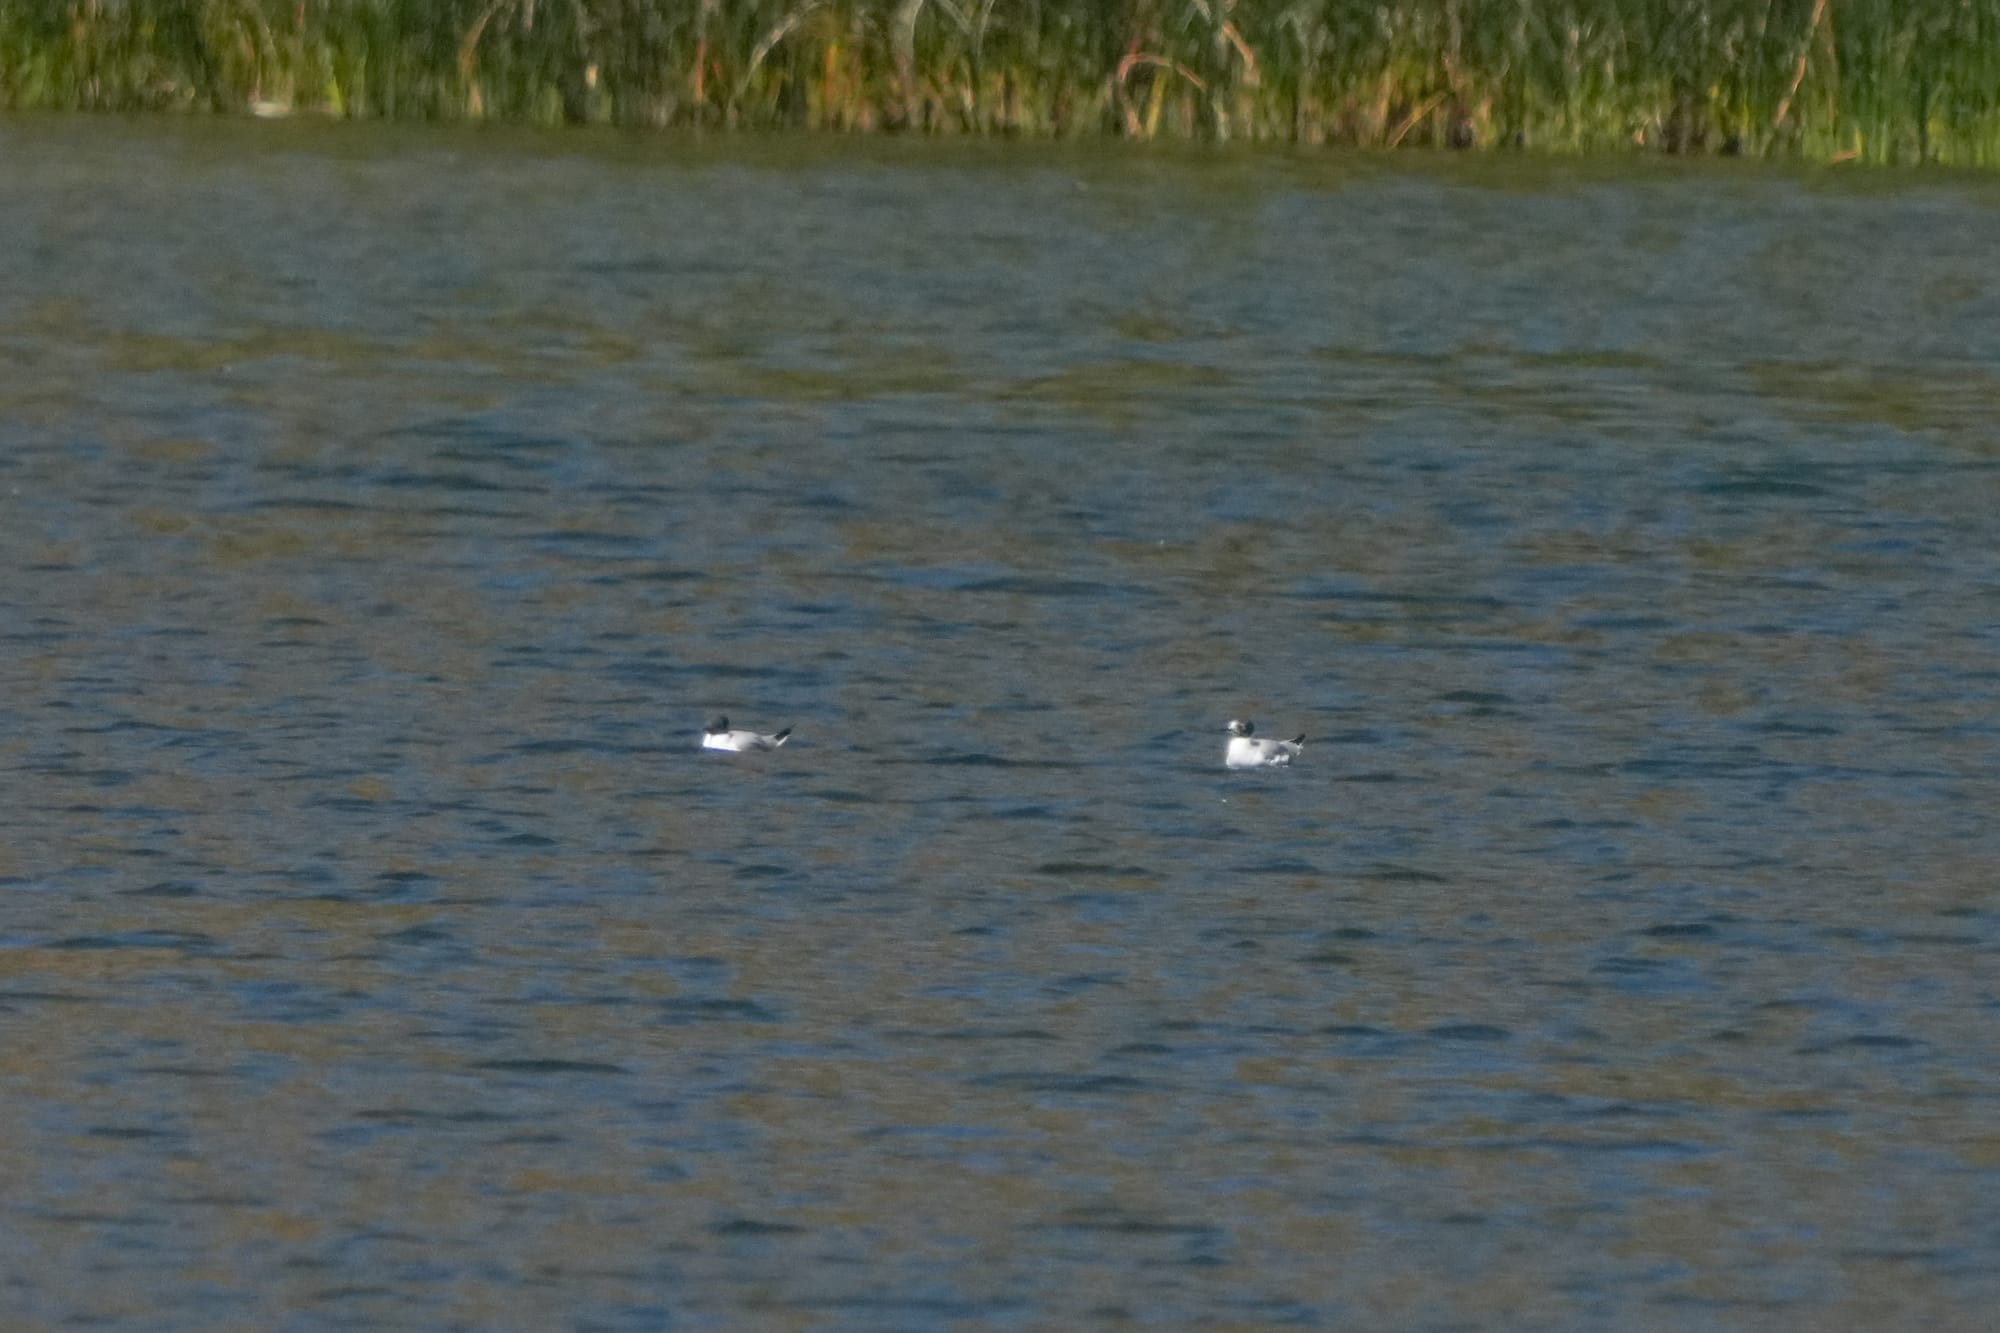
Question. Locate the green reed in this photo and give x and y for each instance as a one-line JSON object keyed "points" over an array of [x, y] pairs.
{"points": [[1876, 80]]}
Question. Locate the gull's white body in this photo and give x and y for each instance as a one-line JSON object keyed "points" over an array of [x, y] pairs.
{"points": [[718, 736], [1247, 751]]}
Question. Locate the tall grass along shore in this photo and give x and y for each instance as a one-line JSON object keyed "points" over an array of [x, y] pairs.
{"points": [[1877, 80]]}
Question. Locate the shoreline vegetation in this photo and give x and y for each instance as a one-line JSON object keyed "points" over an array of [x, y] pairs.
{"points": [[1888, 81]]}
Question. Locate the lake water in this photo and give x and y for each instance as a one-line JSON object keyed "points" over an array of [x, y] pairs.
{"points": [[382, 514]]}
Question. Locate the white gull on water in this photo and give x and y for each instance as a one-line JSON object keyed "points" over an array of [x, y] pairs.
{"points": [[1247, 751], [720, 737]]}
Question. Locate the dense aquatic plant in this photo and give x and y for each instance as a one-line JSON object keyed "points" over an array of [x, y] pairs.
{"points": [[1884, 80]]}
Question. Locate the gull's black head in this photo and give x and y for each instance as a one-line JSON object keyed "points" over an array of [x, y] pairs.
{"points": [[1240, 728], [718, 724]]}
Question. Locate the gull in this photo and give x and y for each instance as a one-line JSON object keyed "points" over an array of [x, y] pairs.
{"points": [[1247, 751], [720, 737]]}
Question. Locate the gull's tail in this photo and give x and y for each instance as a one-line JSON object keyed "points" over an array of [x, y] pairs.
{"points": [[779, 739]]}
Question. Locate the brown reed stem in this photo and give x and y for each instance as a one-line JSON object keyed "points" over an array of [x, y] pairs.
{"points": [[1799, 72]]}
